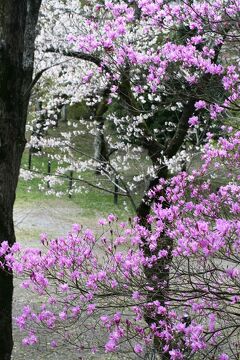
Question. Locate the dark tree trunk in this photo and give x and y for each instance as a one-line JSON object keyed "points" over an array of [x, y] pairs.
{"points": [[15, 79], [160, 271], [101, 150], [101, 153]]}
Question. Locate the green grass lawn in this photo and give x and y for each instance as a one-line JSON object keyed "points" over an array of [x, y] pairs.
{"points": [[92, 201]]}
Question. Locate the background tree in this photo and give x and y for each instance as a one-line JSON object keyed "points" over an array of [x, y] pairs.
{"points": [[151, 104]]}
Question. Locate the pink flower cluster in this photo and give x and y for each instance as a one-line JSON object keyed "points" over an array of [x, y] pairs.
{"points": [[96, 292], [128, 29]]}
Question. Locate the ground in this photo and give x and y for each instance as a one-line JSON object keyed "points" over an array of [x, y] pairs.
{"points": [[54, 217]]}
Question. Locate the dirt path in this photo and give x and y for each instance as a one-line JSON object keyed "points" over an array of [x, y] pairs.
{"points": [[54, 217]]}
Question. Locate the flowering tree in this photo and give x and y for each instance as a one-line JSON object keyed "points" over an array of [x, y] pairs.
{"points": [[99, 293], [167, 67]]}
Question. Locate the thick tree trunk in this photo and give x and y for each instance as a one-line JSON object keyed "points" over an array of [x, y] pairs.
{"points": [[15, 79], [12, 16], [9, 166], [160, 271]]}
